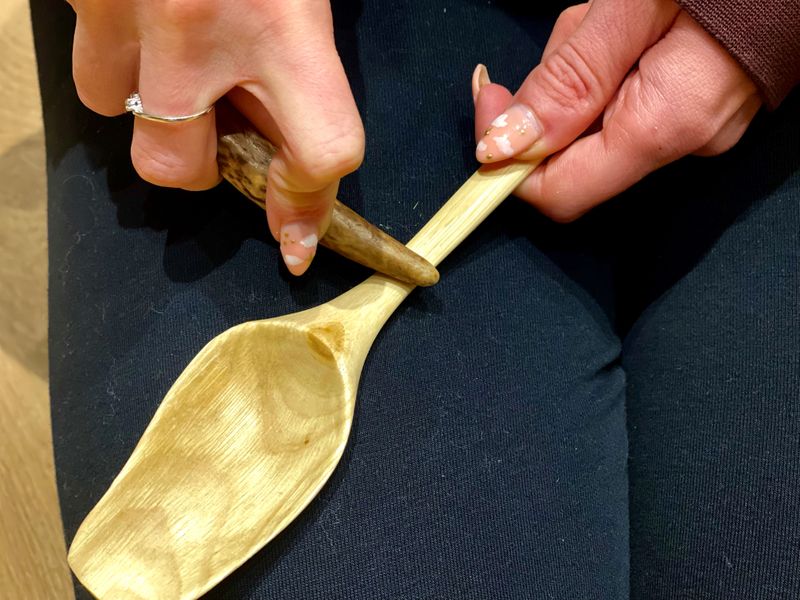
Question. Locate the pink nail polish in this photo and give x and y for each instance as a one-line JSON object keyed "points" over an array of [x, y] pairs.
{"points": [[298, 245], [509, 134]]}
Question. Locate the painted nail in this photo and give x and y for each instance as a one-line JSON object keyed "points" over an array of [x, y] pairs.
{"points": [[510, 133], [298, 245], [480, 77]]}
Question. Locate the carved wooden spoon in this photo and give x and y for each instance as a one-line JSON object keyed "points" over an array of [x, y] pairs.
{"points": [[251, 431]]}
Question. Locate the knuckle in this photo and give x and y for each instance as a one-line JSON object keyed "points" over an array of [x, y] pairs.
{"points": [[94, 101], [554, 202], [689, 128], [567, 78], [560, 213], [718, 145], [85, 96], [572, 14], [162, 168], [323, 162], [701, 132], [551, 195]]}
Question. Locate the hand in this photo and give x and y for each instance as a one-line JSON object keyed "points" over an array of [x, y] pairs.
{"points": [[655, 85], [276, 61]]}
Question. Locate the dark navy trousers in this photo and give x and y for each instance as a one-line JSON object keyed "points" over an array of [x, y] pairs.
{"points": [[602, 410]]}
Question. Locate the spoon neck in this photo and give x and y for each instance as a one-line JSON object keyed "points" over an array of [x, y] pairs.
{"points": [[467, 208], [365, 309]]}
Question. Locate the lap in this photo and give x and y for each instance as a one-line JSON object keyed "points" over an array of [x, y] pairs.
{"points": [[488, 452], [713, 366], [489, 448]]}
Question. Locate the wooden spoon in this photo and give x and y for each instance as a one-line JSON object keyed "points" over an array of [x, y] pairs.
{"points": [[251, 430]]}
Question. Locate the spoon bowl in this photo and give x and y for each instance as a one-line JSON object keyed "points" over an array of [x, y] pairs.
{"points": [[251, 431]]}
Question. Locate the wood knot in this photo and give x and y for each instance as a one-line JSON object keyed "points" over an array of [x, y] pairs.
{"points": [[326, 340]]}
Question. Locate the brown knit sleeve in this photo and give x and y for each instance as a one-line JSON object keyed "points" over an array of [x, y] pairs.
{"points": [[763, 35]]}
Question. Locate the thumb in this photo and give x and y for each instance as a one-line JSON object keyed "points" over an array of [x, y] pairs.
{"points": [[571, 87]]}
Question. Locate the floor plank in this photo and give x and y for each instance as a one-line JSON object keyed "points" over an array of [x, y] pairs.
{"points": [[32, 548]]}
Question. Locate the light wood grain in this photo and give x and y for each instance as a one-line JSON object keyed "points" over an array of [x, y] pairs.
{"points": [[251, 430], [32, 551]]}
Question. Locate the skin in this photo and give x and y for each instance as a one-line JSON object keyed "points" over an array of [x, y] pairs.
{"points": [[624, 87], [274, 59]]}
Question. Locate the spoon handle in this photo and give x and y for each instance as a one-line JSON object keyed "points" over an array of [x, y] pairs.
{"points": [[467, 208], [377, 298]]}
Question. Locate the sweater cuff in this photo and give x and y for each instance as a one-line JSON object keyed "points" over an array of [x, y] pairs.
{"points": [[762, 35]]}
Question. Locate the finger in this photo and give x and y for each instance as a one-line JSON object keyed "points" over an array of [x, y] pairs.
{"points": [[571, 87], [661, 112], [105, 54], [491, 99], [488, 98], [172, 82], [632, 144], [307, 96], [578, 178], [179, 155], [598, 166], [565, 26]]}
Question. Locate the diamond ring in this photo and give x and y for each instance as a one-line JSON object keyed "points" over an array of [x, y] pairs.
{"points": [[133, 104]]}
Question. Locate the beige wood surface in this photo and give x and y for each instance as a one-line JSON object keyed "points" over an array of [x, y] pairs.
{"points": [[32, 553]]}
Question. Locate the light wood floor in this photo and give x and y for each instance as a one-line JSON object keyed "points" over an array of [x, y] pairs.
{"points": [[32, 554]]}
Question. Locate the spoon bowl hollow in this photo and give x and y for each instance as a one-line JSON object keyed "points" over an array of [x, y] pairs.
{"points": [[261, 447]]}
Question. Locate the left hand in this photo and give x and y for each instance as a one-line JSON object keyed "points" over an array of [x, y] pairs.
{"points": [[655, 85], [275, 60]]}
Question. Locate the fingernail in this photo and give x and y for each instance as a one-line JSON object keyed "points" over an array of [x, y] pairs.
{"points": [[298, 245], [480, 77], [510, 133]]}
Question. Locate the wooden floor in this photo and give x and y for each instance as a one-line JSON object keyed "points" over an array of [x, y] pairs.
{"points": [[32, 555]]}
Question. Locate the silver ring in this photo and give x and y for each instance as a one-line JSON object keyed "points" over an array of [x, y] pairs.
{"points": [[133, 104]]}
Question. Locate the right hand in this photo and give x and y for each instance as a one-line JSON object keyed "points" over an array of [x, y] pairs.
{"points": [[274, 59], [640, 81]]}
